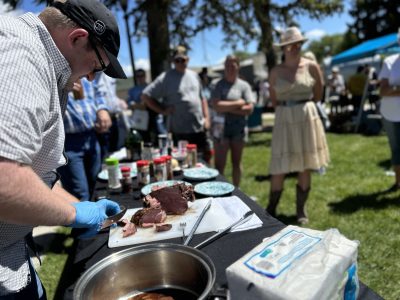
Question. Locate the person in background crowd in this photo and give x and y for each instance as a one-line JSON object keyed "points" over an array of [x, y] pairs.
{"points": [[389, 77], [356, 85], [337, 89], [84, 118], [156, 125], [113, 139], [41, 57], [177, 95], [233, 100], [298, 138]]}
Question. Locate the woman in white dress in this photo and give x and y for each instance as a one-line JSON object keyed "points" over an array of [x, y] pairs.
{"points": [[298, 138]]}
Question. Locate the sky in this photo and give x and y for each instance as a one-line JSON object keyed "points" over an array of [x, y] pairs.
{"points": [[207, 49]]}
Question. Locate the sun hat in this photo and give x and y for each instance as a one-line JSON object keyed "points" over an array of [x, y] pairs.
{"points": [[290, 36], [179, 52], [335, 69], [98, 20]]}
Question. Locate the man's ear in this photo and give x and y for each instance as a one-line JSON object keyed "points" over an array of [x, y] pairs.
{"points": [[78, 37]]}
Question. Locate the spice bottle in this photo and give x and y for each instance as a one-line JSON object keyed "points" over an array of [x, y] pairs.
{"points": [[191, 150], [160, 169], [126, 179], [143, 172], [134, 145], [113, 173], [168, 163]]}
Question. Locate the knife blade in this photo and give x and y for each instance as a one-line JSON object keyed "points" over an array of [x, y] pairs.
{"points": [[114, 218], [193, 230], [219, 234]]}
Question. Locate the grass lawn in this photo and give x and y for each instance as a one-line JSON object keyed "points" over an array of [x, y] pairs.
{"points": [[348, 197]]}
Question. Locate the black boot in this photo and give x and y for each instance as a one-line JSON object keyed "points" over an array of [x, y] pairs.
{"points": [[301, 198], [274, 198]]}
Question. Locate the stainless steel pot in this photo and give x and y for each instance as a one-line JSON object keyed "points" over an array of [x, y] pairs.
{"points": [[173, 270]]}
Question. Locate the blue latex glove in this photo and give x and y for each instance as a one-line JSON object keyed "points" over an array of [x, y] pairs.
{"points": [[91, 215]]}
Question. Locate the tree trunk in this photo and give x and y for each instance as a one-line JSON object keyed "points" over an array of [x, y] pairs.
{"points": [[262, 12], [158, 35]]}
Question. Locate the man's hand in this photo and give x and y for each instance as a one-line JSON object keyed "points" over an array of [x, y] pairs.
{"points": [[103, 122], [91, 215]]}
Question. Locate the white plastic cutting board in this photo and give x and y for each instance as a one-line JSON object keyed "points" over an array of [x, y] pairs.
{"points": [[214, 220]]}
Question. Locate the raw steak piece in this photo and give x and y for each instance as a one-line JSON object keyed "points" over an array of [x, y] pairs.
{"points": [[146, 217]]}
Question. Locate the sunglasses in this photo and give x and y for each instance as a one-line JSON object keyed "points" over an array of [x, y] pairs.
{"points": [[101, 61], [179, 60]]}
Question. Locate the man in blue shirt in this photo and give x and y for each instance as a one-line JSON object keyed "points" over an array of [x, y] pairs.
{"points": [[83, 118]]}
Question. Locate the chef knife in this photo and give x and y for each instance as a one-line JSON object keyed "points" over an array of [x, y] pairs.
{"points": [[212, 238], [205, 209], [114, 219]]}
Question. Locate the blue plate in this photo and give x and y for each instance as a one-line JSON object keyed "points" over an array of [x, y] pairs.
{"points": [[103, 175], [214, 188], [147, 188], [200, 173]]}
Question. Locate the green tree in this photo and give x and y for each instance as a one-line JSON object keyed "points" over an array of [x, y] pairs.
{"points": [[328, 45], [374, 18]]}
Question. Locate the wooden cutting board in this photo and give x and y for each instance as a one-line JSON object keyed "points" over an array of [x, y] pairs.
{"points": [[214, 220]]}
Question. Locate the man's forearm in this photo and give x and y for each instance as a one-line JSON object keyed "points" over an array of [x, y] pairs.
{"points": [[152, 104], [58, 190], [25, 199]]}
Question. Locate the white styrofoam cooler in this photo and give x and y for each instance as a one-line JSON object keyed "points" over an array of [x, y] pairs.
{"points": [[297, 263]]}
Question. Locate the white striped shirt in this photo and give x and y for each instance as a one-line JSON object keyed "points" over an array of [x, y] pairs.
{"points": [[33, 74]]}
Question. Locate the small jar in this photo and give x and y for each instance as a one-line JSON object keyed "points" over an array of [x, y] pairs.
{"points": [[126, 180], [160, 169], [143, 172], [191, 150], [168, 163], [113, 173]]}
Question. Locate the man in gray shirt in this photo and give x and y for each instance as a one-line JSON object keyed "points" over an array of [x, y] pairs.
{"points": [[177, 94], [41, 57]]}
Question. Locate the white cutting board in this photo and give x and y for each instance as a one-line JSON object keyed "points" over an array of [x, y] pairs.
{"points": [[214, 220]]}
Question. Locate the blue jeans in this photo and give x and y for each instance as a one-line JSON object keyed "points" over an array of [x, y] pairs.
{"points": [[393, 132], [78, 176]]}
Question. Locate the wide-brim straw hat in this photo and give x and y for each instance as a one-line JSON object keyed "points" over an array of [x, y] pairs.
{"points": [[290, 36]]}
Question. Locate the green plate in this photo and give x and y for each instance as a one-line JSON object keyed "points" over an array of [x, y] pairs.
{"points": [[214, 188], [147, 188]]}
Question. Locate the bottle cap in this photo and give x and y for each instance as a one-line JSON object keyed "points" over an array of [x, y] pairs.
{"points": [[125, 169], [158, 161], [142, 163], [191, 146], [111, 161], [167, 157]]}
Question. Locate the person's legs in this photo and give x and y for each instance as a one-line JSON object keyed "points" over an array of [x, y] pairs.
{"points": [[302, 190], [92, 161], [221, 148], [277, 181], [236, 158], [73, 176], [393, 132]]}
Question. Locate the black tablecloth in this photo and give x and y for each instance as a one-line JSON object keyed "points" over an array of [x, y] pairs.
{"points": [[223, 251]]}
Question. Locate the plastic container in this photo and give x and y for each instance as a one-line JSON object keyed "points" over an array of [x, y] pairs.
{"points": [[191, 158], [160, 169], [126, 180], [168, 163], [143, 172], [113, 173]]}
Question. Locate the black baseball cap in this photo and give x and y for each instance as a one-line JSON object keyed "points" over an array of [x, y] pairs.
{"points": [[98, 20]]}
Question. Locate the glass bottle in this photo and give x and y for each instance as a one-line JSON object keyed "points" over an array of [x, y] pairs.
{"points": [[160, 169], [134, 145], [126, 180], [113, 173], [191, 155], [143, 172]]}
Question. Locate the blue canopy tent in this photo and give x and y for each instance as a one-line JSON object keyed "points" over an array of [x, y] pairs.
{"points": [[382, 45]]}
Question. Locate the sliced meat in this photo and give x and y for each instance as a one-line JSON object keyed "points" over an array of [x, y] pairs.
{"points": [[128, 227], [151, 202], [146, 216], [173, 199], [163, 227]]}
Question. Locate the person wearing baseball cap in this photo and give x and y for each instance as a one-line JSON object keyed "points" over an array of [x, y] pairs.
{"points": [[41, 57]]}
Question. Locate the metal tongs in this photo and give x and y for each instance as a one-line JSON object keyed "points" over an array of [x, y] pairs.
{"points": [[219, 234], [193, 230]]}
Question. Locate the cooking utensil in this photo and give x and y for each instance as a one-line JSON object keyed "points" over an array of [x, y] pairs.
{"points": [[171, 269], [114, 219], [182, 225], [192, 231], [212, 238]]}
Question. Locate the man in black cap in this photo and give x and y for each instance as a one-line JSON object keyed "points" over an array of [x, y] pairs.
{"points": [[41, 57]]}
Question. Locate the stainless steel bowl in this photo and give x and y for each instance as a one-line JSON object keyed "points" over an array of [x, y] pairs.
{"points": [[173, 270]]}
